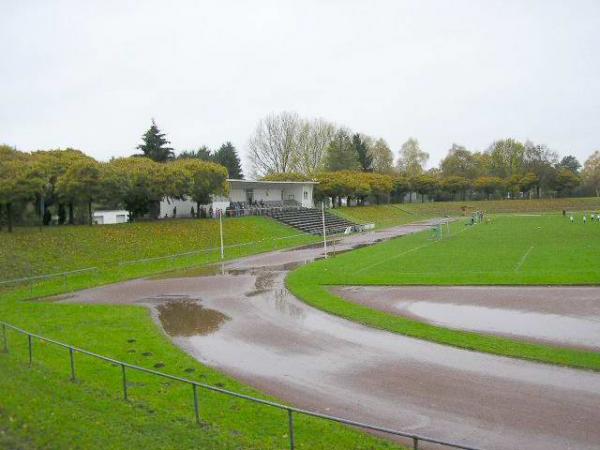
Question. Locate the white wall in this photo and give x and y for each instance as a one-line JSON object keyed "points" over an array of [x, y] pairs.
{"points": [[266, 193], [110, 217], [184, 207], [296, 192]]}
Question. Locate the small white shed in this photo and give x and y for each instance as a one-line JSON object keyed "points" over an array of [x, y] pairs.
{"points": [[110, 217]]}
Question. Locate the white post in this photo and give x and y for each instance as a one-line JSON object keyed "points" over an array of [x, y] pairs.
{"points": [[221, 231], [324, 229]]}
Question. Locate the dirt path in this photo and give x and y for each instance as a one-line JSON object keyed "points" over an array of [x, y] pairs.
{"points": [[245, 323], [562, 316]]}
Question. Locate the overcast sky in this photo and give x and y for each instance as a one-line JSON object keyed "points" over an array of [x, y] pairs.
{"points": [[91, 75]]}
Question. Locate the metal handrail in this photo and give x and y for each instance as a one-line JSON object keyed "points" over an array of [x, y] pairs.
{"points": [[46, 276], [416, 438]]}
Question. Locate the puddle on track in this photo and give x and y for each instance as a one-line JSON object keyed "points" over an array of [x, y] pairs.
{"points": [[221, 269], [559, 329], [189, 318]]}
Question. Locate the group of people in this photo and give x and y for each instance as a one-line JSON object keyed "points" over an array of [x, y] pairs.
{"points": [[238, 209], [594, 217], [476, 217], [254, 208]]}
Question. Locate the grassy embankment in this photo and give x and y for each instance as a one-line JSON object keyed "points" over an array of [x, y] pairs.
{"points": [[399, 214], [511, 250], [41, 408]]}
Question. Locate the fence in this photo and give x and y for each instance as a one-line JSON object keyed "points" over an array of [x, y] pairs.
{"points": [[291, 411], [229, 252], [112, 264], [31, 280]]}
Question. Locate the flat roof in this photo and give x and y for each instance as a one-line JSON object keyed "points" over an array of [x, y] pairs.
{"points": [[270, 182], [102, 211]]}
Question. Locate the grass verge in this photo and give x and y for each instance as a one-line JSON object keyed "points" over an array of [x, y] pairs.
{"points": [[41, 408], [402, 213]]}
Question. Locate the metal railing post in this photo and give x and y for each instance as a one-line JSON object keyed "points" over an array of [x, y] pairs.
{"points": [[30, 349], [291, 429], [72, 358], [195, 385], [124, 382], [5, 338], [196, 406]]}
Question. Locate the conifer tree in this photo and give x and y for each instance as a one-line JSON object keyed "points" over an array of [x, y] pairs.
{"points": [[154, 145], [227, 156], [362, 150]]}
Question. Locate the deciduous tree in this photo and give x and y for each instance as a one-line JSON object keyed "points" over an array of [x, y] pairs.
{"points": [[566, 181], [273, 145], [455, 184], [488, 185], [314, 137], [138, 182], [20, 180], [570, 162], [424, 184], [203, 153], [412, 159], [459, 162], [382, 157], [83, 182], [506, 157], [341, 154], [591, 172]]}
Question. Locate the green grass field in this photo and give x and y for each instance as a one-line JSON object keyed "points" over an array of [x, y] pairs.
{"points": [[31, 251], [41, 408], [510, 250], [398, 214]]}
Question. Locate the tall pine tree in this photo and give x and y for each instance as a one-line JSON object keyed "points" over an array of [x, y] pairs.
{"points": [[154, 145], [362, 150], [227, 156]]}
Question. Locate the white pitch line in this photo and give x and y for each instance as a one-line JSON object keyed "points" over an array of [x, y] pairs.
{"points": [[523, 258], [408, 251], [393, 257]]}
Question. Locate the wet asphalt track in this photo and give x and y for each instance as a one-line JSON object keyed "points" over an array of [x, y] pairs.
{"points": [[241, 320]]}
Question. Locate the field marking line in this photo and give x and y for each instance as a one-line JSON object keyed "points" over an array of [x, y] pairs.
{"points": [[393, 257], [408, 251], [523, 258]]}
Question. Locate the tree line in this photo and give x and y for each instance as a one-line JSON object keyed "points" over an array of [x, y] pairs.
{"points": [[70, 183], [287, 146]]}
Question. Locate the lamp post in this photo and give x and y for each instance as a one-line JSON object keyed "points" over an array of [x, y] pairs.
{"points": [[324, 228]]}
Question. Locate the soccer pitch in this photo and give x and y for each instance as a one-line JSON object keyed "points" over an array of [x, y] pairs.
{"points": [[503, 250], [515, 249]]}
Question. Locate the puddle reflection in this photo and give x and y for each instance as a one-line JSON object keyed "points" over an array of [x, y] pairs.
{"points": [[189, 318]]}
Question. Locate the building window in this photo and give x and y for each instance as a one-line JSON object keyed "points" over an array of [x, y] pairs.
{"points": [[305, 195]]}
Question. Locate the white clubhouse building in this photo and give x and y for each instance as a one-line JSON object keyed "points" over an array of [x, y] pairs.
{"points": [[244, 193]]}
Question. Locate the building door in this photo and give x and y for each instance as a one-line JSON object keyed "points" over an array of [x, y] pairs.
{"points": [[249, 196]]}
